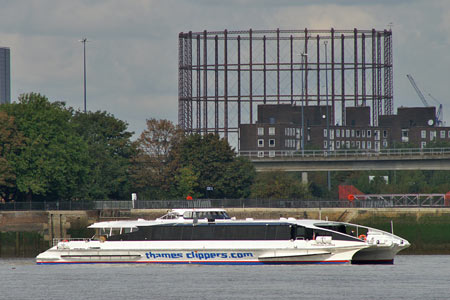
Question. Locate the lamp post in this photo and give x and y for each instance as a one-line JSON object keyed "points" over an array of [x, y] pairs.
{"points": [[328, 114], [84, 41], [304, 56]]}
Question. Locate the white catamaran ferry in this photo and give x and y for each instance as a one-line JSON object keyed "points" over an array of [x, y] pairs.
{"points": [[210, 236]]}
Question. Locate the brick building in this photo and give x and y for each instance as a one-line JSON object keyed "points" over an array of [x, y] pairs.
{"points": [[279, 129]]}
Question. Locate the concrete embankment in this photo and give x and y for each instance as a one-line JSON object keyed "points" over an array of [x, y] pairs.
{"points": [[26, 233]]}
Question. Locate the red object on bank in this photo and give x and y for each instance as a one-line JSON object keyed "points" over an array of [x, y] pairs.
{"points": [[346, 190], [189, 198]]}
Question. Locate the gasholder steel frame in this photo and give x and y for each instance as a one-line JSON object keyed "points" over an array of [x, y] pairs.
{"points": [[224, 75]]}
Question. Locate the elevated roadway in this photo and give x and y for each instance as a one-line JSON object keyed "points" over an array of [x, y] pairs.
{"points": [[351, 160]]}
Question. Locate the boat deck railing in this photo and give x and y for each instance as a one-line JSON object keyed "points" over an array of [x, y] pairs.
{"points": [[55, 241]]}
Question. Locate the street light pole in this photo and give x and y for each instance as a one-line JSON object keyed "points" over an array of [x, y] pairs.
{"points": [[304, 55], [84, 41], [328, 114]]}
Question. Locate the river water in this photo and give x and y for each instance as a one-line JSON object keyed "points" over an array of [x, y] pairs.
{"points": [[412, 277]]}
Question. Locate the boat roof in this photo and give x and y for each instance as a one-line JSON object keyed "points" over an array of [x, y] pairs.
{"points": [[181, 211], [249, 221]]}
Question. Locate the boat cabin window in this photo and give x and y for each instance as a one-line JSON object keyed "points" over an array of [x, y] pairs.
{"points": [[206, 215], [338, 227], [300, 233], [126, 230], [115, 231], [170, 216]]}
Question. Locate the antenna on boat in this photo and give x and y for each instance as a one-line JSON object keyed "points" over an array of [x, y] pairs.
{"points": [[392, 227]]}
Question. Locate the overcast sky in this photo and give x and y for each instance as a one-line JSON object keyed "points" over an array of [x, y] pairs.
{"points": [[132, 56]]}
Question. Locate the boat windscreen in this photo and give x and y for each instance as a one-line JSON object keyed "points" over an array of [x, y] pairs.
{"points": [[335, 227], [215, 215]]}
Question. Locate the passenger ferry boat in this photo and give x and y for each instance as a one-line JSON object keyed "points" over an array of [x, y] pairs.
{"points": [[210, 236]]}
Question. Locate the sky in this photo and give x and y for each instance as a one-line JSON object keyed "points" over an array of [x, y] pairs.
{"points": [[132, 53]]}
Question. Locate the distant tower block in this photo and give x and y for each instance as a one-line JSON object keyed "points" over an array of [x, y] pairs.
{"points": [[224, 75], [5, 76]]}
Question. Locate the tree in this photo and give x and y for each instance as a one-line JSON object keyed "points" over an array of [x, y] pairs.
{"points": [[215, 164], [11, 143], [53, 161], [110, 150], [187, 182], [152, 173], [278, 184]]}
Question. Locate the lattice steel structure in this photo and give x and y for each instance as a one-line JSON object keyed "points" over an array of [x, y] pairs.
{"points": [[225, 75]]}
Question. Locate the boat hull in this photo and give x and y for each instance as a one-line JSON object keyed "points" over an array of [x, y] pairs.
{"points": [[376, 255], [287, 253]]}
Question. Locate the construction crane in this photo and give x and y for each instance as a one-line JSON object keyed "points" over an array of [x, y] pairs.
{"points": [[439, 114]]}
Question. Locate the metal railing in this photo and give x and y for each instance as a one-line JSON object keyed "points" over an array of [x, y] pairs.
{"points": [[56, 241], [360, 201], [346, 153]]}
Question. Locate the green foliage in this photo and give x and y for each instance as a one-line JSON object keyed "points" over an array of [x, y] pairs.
{"points": [[278, 184], [438, 144], [110, 150], [151, 172], [187, 181], [215, 164], [169, 164], [399, 182], [53, 162], [11, 143]]}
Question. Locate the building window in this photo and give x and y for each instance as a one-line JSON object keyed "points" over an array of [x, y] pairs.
{"points": [[369, 145], [338, 133], [432, 135], [347, 144], [260, 143], [353, 133], [377, 146], [271, 130], [332, 134], [347, 133], [385, 133], [369, 133], [260, 130], [271, 143], [363, 132], [260, 153], [338, 145], [405, 135], [324, 144], [290, 143], [363, 144], [289, 131], [442, 134], [358, 133], [423, 134], [271, 153], [325, 133], [423, 144], [385, 143], [449, 133], [358, 145], [376, 133], [353, 144]]}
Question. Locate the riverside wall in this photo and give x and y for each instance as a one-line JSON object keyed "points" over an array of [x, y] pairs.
{"points": [[26, 233]]}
